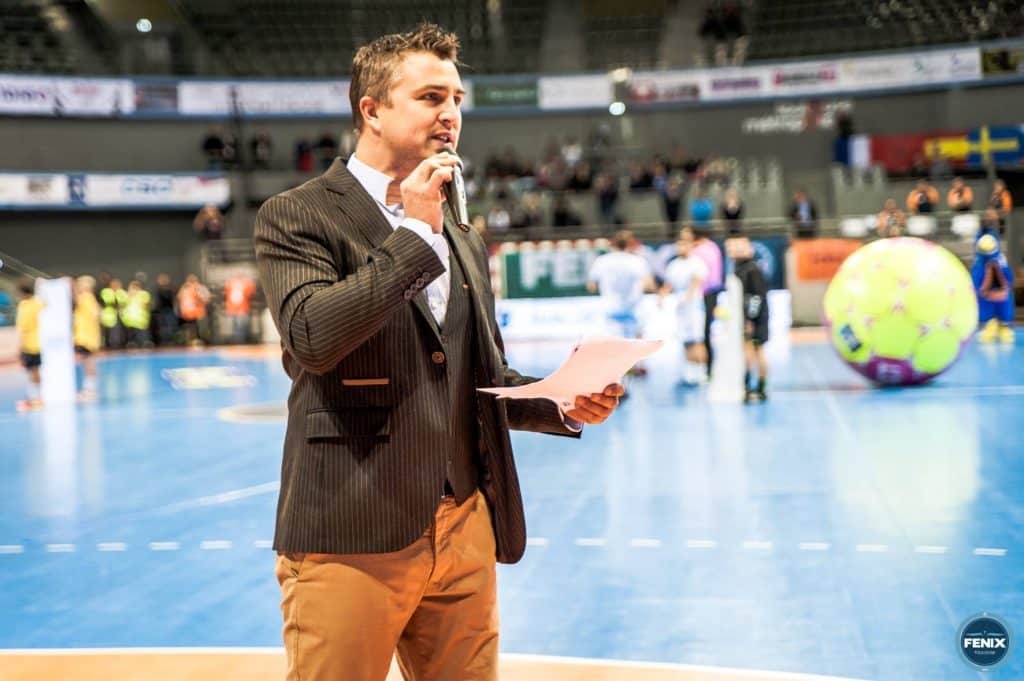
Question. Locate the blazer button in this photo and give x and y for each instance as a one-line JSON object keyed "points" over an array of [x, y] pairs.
{"points": [[409, 294], [437, 358], [421, 282], [425, 274]]}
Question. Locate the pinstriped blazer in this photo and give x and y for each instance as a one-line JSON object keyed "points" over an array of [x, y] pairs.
{"points": [[368, 427]]}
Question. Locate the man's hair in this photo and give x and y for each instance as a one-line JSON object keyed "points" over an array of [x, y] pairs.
{"points": [[375, 64], [622, 239], [27, 286]]}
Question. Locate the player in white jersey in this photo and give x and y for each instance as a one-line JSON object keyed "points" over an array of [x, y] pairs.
{"points": [[684, 279], [621, 278]]}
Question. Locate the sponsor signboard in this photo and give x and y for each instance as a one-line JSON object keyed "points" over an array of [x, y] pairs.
{"points": [[645, 87], [574, 92], [27, 191]]}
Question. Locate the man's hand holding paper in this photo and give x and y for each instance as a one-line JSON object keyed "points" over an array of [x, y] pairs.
{"points": [[586, 387]]}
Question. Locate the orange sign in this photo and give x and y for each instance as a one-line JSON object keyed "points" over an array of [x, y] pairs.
{"points": [[819, 259]]}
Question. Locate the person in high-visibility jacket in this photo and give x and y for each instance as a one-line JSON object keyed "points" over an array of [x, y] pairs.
{"points": [[114, 298], [135, 315], [192, 300], [86, 333]]}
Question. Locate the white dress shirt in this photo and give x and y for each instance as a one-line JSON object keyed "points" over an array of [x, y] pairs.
{"points": [[376, 185]]}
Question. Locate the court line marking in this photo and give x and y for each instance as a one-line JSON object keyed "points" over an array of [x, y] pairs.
{"points": [[984, 551], [752, 545], [645, 543], [513, 657], [815, 546], [536, 541], [872, 548], [60, 548], [111, 546], [930, 549], [590, 541], [12, 548], [215, 545], [701, 543], [222, 497], [164, 546], [263, 544]]}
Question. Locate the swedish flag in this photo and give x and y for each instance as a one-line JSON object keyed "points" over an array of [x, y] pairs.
{"points": [[996, 145]]}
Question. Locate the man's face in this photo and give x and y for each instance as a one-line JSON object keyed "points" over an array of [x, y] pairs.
{"points": [[423, 116]]}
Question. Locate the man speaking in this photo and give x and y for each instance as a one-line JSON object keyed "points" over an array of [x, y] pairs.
{"points": [[398, 487]]}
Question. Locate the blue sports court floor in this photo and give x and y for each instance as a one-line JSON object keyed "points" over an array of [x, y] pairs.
{"points": [[837, 529]]}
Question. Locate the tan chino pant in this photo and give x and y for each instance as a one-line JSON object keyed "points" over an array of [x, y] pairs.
{"points": [[434, 602]]}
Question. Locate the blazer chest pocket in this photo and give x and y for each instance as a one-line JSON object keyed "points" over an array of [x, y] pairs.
{"points": [[356, 424]]}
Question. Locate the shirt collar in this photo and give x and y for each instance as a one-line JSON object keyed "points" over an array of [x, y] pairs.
{"points": [[374, 182]]}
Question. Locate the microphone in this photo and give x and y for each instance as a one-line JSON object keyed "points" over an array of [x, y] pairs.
{"points": [[455, 195]]}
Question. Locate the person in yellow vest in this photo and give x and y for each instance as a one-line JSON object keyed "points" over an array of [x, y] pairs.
{"points": [[114, 298], [86, 334], [135, 315], [27, 324]]}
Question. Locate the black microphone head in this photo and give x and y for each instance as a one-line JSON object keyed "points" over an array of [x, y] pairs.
{"points": [[451, 151]]}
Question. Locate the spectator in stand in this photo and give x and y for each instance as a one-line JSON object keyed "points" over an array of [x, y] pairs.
{"points": [[640, 177], [192, 300], [735, 31], [891, 221], [582, 179], [607, 187], [1001, 201], [671, 189], [960, 197], [732, 212], [572, 151], [238, 292], [804, 215], [499, 220], [213, 148], [326, 149], [940, 167], [166, 321], [529, 214], [209, 223], [712, 36], [303, 155], [562, 214], [922, 199], [261, 148], [701, 209]]}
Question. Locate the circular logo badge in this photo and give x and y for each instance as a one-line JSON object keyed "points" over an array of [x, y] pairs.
{"points": [[984, 641]]}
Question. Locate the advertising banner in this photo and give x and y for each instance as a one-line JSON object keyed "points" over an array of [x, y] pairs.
{"points": [[574, 92], [805, 78], [262, 98], [1005, 61], [645, 87], [738, 83], [819, 259], [43, 191], [505, 93], [33, 190], [42, 96]]}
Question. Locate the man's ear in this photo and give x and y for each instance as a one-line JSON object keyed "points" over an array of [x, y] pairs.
{"points": [[368, 107]]}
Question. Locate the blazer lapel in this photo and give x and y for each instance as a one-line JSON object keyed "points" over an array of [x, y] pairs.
{"points": [[462, 251], [356, 203]]}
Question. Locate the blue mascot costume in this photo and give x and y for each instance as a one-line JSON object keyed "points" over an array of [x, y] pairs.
{"points": [[993, 282]]}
